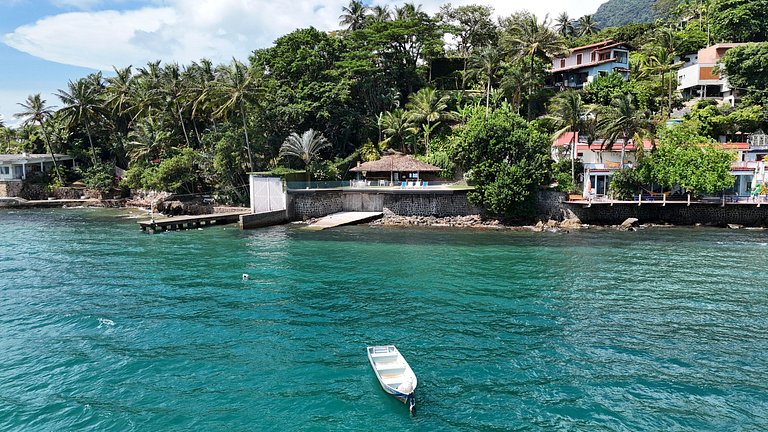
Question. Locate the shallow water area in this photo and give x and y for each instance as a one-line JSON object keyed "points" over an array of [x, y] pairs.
{"points": [[106, 328]]}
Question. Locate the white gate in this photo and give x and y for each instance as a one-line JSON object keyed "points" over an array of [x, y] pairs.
{"points": [[267, 194]]}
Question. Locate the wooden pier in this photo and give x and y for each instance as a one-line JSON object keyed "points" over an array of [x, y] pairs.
{"points": [[344, 218], [190, 222]]}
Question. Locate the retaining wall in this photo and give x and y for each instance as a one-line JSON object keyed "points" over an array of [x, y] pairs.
{"points": [[263, 219], [10, 188], [747, 214], [306, 204]]}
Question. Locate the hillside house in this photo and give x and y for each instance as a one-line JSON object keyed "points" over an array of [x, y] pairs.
{"points": [[584, 64], [699, 80]]}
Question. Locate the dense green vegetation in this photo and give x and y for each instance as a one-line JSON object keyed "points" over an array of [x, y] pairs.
{"points": [[479, 104], [615, 13]]}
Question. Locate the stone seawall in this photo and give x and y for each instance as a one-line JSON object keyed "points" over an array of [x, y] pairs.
{"points": [[673, 213], [10, 188], [307, 204]]}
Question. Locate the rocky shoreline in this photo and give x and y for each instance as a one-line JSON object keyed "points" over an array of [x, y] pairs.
{"points": [[478, 222]]}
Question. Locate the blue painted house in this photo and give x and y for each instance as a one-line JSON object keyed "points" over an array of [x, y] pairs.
{"points": [[584, 64]]}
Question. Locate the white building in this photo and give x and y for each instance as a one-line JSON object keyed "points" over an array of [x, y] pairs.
{"points": [[20, 166], [699, 80]]}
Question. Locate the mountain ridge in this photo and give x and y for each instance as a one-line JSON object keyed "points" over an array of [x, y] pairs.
{"points": [[614, 13]]}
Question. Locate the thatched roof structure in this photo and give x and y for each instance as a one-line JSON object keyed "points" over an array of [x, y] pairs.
{"points": [[397, 162]]}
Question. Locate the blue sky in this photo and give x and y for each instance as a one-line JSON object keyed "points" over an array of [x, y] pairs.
{"points": [[46, 43]]}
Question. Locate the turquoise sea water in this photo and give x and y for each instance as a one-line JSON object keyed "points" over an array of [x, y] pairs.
{"points": [[105, 328]]}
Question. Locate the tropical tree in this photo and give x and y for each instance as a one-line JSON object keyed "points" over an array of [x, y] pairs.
{"points": [[354, 15], [397, 127], [623, 120], [530, 38], [237, 84], [306, 147], [35, 111], [82, 104], [380, 14], [428, 108], [568, 110], [587, 26], [564, 25], [486, 62]]}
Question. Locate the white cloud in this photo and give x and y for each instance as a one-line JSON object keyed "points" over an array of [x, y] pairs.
{"points": [[187, 30]]}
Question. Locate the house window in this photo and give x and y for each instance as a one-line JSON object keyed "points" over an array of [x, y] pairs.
{"points": [[600, 184], [602, 73], [621, 57], [5, 170], [578, 59], [562, 63], [593, 55]]}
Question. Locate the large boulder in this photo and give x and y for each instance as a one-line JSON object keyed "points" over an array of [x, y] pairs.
{"points": [[629, 223], [571, 223]]}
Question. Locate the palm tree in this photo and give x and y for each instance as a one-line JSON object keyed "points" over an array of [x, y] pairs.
{"points": [[174, 88], [623, 120], [486, 62], [148, 141], [568, 111], [306, 147], [662, 60], [587, 26], [146, 91], [397, 127], [354, 15], [35, 111], [407, 12], [82, 104], [238, 84], [564, 26], [531, 38], [117, 97], [427, 107], [381, 13]]}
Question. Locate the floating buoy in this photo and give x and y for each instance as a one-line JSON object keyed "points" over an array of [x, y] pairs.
{"points": [[245, 276]]}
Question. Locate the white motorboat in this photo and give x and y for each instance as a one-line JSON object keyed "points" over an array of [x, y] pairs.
{"points": [[394, 374]]}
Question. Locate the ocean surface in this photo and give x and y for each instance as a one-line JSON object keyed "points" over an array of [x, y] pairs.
{"points": [[104, 328]]}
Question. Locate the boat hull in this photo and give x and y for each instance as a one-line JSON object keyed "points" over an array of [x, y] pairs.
{"points": [[393, 373]]}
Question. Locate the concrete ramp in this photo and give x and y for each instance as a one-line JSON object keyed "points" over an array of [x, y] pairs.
{"points": [[344, 218]]}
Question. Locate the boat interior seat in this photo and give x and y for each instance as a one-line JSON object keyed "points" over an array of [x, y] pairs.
{"points": [[384, 358], [395, 370]]}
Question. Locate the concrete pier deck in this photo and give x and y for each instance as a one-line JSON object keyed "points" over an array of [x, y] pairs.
{"points": [[344, 218], [189, 222]]}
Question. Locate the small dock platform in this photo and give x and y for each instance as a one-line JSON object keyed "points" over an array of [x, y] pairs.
{"points": [[344, 218], [190, 222]]}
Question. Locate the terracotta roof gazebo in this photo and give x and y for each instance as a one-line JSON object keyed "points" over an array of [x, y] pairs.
{"points": [[396, 163]]}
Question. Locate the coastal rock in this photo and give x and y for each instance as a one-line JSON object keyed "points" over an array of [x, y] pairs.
{"points": [[628, 223], [572, 223]]}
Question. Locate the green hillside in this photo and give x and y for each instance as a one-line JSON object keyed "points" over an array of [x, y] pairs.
{"points": [[621, 12]]}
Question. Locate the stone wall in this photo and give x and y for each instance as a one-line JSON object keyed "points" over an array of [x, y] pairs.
{"points": [[677, 214], [68, 193], [307, 204], [10, 188], [549, 205], [432, 204]]}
